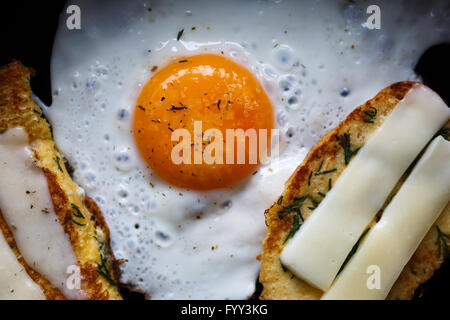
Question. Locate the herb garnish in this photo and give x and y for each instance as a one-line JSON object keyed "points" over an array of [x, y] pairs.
{"points": [[295, 207], [102, 268], [218, 104], [77, 214], [329, 184], [344, 142], [174, 108], [180, 33], [141, 107], [182, 61], [57, 159], [296, 224], [442, 243], [309, 178], [371, 114], [280, 200], [314, 202], [318, 172]]}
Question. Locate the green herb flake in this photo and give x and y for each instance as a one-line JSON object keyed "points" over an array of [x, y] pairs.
{"points": [[318, 172], [344, 142], [371, 114], [102, 267], [76, 212], [296, 224], [280, 200], [295, 207], [78, 224], [180, 34], [57, 160], [309, 178]]}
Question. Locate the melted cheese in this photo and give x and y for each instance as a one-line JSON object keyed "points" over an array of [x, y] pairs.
{"points": [[28, 209], [319, 248], [405, 222], [15, 283]]}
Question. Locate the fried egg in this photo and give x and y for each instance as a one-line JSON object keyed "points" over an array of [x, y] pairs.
{"points": [[136, 71]]}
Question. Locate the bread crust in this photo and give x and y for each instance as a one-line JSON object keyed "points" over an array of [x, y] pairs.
{"points": [[328, 156], [90, 237]]}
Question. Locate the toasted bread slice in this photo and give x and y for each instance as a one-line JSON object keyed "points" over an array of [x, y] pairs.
{"points": [[90, 240], [328, 153]]}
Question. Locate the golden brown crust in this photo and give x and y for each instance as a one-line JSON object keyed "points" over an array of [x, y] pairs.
{"points": [[87, 231], [328, 154]]}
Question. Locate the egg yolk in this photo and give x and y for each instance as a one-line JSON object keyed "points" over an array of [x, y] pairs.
{"points": [[218, 94]]}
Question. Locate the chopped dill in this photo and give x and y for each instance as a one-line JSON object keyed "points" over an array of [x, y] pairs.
{"points": [[344, 142], [76, 211], [309, 178], [180, 33], [141, 107], [371, 114], [77, 214], [78, 224], [318, 172], [329, 184], [280, 200], [102, 268], [174, 108], [296, 224], [295, 207], [57, 159]]}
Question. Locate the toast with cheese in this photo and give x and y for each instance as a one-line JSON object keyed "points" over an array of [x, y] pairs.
{"points": [[89, 238], [315, 177]]}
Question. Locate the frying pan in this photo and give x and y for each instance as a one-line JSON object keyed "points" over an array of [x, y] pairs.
{"points": [[27, 32]]}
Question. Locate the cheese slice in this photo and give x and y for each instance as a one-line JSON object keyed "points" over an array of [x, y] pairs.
{"points": [[28, 209], [319, 248], [388, 246], [15, 283]]}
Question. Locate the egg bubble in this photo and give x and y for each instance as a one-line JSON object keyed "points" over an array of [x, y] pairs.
{"points": [[123, 160], [283, 57]]}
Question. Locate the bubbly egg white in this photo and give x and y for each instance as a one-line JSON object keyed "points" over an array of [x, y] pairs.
{"points": [[316, 61]]}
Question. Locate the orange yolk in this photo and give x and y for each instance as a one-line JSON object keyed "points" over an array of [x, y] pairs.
{"points": [[208, 88]]}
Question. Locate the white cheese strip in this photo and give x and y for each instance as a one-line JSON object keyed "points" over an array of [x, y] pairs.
{"points": [[382, 255], [28, 209], [15, 283], [319, 248]]}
